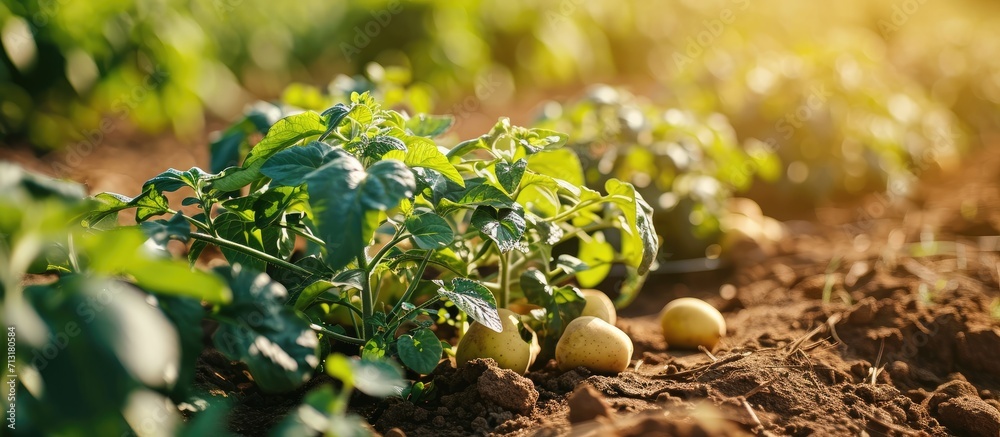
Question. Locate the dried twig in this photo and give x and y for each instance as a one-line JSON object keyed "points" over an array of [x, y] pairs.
{"points": [[753, 416], [876, 369], [799, 366], [708, 352], [798, 343], [766, 384], [832, 323], [700, 369]]}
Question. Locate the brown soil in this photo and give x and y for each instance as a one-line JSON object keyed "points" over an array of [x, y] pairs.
{"points": [[875, 318]]}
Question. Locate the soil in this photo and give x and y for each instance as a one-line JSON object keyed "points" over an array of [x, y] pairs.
{"points": [[875, 318]]}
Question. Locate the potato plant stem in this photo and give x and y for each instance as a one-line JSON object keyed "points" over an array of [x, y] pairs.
{"points": [[585, 204], [302, 233], [426, 304], [396, 239], [252, 252], [367, 306], [504, 280], [336, 336], [413, 284]]}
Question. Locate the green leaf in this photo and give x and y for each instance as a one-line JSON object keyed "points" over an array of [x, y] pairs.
{"points": [[539, 194], [186, 315], [236, 228], [599, 255], [510, 175], [285, 133], [639, 242], [374, 349], [429, 126], [162, 231], [312, 417], [211, 421], [149, 204], [475, 299], [291, 166], [630, 287], [560, 163], [224, 151], [321, 413], [335, 116], [549, 233], [504, 226], [468, 146], [570, 264], [39, 187], [421, 351], [379, 378], [277, 346], [197, 247], [376, 147], [429, 230], [346, 202], [270, 207], [314, 291], [362, 114], [102, 328], [480, 195], [107, 206], [542, 139], [121, 251], [424, 154], [173, 180], [560, 305]]}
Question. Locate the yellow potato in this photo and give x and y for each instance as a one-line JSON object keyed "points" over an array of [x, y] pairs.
{"points": [[599, 305], [595, 344], [688, 323], [507, 348]]}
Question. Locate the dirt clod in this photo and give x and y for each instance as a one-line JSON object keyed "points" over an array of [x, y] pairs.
{"points": [[970, 415], [585, 404], [507, 389]]}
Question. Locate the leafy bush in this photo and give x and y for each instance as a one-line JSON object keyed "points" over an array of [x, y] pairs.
{"points": [[688, 165], [350, 226], [463, 226]]}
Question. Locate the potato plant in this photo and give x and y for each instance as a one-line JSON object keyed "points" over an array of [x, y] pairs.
{"points": [[118, 319], [343, 206], [687, 165]]}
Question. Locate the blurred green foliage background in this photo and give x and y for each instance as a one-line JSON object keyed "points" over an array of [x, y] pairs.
{"points": [[167, 63]]}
